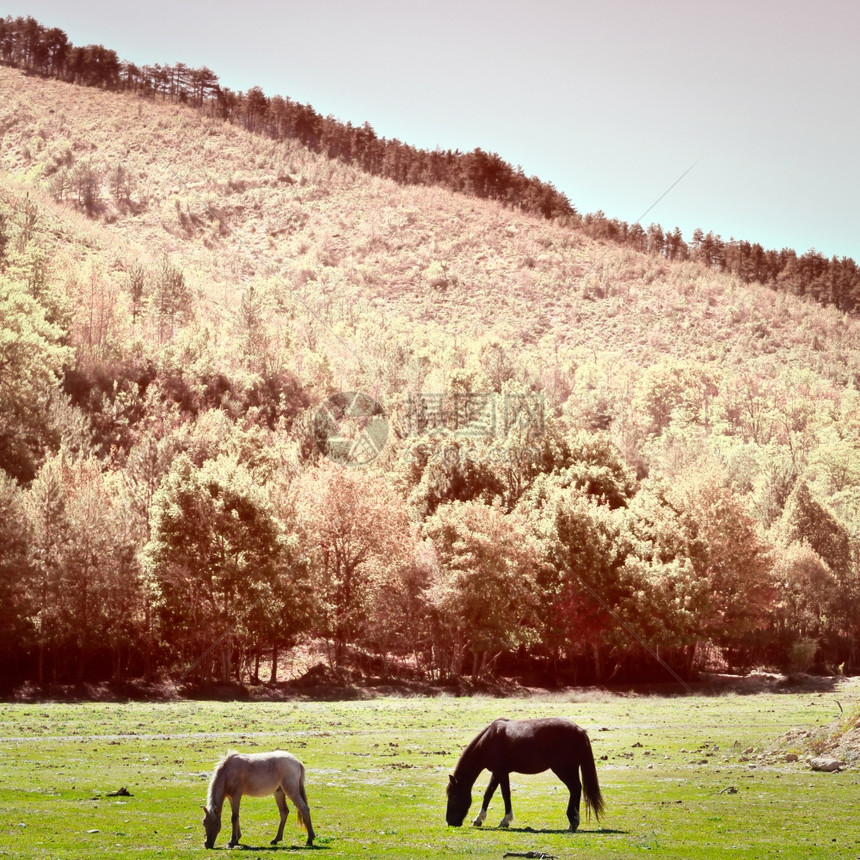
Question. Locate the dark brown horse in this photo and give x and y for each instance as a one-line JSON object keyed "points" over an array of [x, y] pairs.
{"points": [[525, 746]]}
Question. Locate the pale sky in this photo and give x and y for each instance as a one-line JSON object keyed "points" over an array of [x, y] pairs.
{"points": [[610, 101]]}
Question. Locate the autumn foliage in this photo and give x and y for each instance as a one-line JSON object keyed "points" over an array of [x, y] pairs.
{"points": [[602, 461]]}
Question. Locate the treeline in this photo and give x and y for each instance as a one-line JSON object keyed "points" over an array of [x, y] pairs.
{"points": [[28, 45], [834, 281], [205, 548]]}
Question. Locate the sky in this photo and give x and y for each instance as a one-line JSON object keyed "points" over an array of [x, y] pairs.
{"points": [[613, 102]]}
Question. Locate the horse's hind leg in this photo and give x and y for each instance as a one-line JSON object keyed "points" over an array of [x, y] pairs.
{"points": [[570, 777], [306, 814], [505, 783], [281, 800], [300, 799], [488, 796]]}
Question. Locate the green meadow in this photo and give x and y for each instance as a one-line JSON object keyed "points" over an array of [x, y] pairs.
{"points": [[678, 775]]}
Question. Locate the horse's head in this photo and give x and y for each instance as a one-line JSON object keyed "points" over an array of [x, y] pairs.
{"points": [[212, 825], [459, 801]]}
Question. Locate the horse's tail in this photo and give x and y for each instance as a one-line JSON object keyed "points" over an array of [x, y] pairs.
{"points": [[303, 796], [590, 786]]}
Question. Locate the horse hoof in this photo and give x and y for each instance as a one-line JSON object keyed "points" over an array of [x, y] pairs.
{"points": [[504, 824], [477, 823]]}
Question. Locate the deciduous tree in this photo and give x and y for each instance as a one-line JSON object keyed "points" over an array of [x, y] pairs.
{"points": [[32, 356], [16, 574], [356, 530], [729, 557], [483, 592], [214, 559]]}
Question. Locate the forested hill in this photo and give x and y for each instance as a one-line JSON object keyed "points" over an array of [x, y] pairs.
{"points": [[589, 428], [28, 45], [134, 185]]}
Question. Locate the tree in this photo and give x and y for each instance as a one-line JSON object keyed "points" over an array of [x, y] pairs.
{"points": [[806, 519], [256, 107], [809, 607], [46, 514], [28, 218], [598, 470], [356, 530], [671, 388], [495, 363], [121, 183], [170, 298], [146, 464], [4, 239], [86, 180], [656, 241], [529, 443], [287, 612], [204, 84], [746, 405], [482, 592], [215, 557], [137, 281], [665, 591], [730, 560], [582, 579], [86, 589], [453, 469], [32, 357], [95, 324], [16, 575], [401, 622], [101, 597]]}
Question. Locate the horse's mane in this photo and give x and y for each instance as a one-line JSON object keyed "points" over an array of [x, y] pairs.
{"points": [[218, 778], [468, 753]]}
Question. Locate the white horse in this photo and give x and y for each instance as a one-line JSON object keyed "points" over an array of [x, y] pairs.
{"points": [[277, 773]]}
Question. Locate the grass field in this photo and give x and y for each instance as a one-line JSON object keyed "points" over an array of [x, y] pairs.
{"points": [[673, 771]]}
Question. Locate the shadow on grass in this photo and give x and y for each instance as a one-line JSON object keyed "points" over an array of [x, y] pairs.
{"points": [[242, 847], [597, 831]]}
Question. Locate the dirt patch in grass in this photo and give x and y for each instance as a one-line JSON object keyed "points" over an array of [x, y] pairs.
{"points": [[761, 681], [838, 740]]}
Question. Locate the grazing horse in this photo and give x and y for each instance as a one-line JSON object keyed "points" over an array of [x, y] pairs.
{"points": [[525, 746], [277, 773]]}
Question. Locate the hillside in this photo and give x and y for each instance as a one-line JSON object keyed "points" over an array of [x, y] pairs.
{"points": [[245, 280], [230, 207]]}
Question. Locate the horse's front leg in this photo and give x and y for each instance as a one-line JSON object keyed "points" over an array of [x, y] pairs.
{"points": [[488, 796], [284, 810], [234, 818], [505, 783]]}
